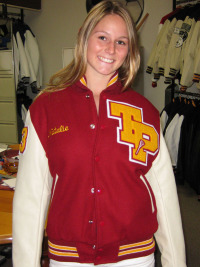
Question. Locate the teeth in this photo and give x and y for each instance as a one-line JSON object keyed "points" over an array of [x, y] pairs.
{"points": [[106, 59]]}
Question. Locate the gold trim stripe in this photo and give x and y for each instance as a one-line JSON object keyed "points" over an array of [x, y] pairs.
{"points": [[62, 247], [113, 80], [83, 81], [136, 250], [136, 244], [64, 254]]}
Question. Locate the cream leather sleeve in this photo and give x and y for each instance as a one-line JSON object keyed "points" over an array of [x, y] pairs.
{"points": [[164, 44], [188, 67], [169, 235], [196, 76], [31, 201], [171, 47], [151, 61]]}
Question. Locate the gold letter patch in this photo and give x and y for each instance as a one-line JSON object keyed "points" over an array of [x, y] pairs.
{"points": [[22, 145], [141, 137]]}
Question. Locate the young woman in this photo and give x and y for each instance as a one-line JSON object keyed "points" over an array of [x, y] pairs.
{"points": [[93, 147]]}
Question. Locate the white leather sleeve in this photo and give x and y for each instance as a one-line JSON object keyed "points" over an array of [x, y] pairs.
{"points": [[31, 201], [169, 235], [190, 56], [151, 60]]}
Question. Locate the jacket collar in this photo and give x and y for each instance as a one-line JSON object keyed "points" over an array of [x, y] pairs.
{"points": [[112, 80]]}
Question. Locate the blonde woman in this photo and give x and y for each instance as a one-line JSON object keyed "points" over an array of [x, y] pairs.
{"points": [[92, 152]]}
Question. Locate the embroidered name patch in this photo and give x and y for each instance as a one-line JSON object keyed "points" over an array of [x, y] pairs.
{"points": [[141, 137], [56, 130]]}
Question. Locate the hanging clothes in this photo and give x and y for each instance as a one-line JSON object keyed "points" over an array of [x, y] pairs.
{"points": [[27, 64], [176, 51], [181, 129], [27, 57]]}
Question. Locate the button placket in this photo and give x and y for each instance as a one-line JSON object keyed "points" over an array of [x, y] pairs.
{"points": [[92, 126], [92, 190]]}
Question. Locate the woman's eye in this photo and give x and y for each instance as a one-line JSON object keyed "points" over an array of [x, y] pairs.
{"points": [[102, 38], [121, 42]]}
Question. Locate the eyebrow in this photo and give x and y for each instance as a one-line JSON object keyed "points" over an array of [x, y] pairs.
{"points": [[123, 37]]}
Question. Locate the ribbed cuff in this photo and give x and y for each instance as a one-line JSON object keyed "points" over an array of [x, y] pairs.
{"points": [[196, 77], [161, 71], [149, 69], [172, 72], [168, 80]]}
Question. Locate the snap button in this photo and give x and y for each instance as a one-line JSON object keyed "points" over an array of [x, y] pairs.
{"points": [[99, 191], [90, 222], [94, 247], [92, 190], [87, 96], [92, 126]]}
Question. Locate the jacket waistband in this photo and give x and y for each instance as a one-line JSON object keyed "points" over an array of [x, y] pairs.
{"points": [[136, 247], [114, 252]]}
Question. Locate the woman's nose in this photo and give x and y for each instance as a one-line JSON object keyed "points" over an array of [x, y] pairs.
{"points": [[110, 48]]}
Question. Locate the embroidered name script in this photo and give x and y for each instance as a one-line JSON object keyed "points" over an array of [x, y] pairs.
{"points": [[60, 129], [141, 137]]}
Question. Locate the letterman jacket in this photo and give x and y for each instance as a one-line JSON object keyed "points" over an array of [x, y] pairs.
{"points": [[108, 177]]}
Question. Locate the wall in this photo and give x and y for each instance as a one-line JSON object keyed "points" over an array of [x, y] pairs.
{"points": [[56, 25]]}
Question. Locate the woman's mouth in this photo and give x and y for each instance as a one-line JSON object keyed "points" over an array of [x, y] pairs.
{"points": [[107, 60]]}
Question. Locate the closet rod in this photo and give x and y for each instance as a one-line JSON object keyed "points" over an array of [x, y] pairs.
{"points": [[5, 14]]}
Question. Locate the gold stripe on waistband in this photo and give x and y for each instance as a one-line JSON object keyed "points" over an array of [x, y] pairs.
{"points": [[61, 247], [136, 250], [63, 254]]}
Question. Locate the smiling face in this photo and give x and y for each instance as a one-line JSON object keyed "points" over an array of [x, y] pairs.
{"points": [[107, 47]]}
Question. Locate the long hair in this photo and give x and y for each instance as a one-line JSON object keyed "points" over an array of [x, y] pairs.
{"points": [[77, 68]]}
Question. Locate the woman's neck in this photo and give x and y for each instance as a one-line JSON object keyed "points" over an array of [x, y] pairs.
{"points": [[97, 85]]}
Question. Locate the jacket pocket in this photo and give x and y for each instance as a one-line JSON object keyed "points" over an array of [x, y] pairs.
{"points": [[54, 187], [145, 182]]}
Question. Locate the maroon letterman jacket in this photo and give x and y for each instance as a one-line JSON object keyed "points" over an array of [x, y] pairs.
{"points": [[102, 206]]}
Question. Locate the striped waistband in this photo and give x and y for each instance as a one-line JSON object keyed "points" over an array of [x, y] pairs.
{"points": [[128, 250], [63, 251], [136, 247]]}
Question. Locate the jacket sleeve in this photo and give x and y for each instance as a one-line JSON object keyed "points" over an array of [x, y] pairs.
{"points": [[164, 44], [196, 76], [31, 199], [151, 60], [188, 67], [169, 235], [170, 50]]}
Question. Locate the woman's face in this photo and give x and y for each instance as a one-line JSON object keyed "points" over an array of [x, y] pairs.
{"points": [[107, 47]]}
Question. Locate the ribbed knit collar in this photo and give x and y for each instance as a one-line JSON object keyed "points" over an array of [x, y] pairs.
{"points": [[112, 80]]}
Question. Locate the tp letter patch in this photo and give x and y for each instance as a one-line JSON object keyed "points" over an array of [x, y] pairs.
{"points": [[142, 138]]}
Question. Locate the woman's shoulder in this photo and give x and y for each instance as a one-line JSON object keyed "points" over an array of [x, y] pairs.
{"points": [[140, 100], [48, 98]]}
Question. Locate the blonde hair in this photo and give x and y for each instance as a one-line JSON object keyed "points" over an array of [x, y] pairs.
{"points": [[77, 68]]}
